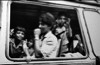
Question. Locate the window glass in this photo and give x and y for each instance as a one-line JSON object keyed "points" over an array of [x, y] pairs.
{"points": [[44, 32], [93, 23]]}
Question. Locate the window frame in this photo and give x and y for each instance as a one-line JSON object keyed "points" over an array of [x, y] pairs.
{"points": [[52, 6], [82, 32]]}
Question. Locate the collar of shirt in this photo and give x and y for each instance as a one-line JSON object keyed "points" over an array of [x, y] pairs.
{"points": [[46, 35]]}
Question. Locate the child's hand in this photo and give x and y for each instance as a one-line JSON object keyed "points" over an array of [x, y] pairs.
{"points": [[37, 32], [28, 58]]}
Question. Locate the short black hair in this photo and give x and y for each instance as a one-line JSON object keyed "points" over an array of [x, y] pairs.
{"points": [[18, 28], [47, 18], [62, 14]]}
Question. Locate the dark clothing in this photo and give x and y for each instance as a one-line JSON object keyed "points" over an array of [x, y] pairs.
{"points": [[15, 51], [79, 47]]}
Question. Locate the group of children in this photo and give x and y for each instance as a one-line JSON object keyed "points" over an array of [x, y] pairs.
{"points": [[45, 43]]}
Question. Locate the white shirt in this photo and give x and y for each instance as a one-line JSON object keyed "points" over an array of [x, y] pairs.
{"points": [[49, 45]]}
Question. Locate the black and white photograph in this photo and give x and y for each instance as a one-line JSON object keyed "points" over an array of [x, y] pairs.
{"points": [[50, 32]]}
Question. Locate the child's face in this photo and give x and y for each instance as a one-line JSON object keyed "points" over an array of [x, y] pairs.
{"points": [[62, 19], [44, 28], [20, 35]]}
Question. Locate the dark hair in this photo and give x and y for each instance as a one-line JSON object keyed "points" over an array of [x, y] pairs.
{"points": [[47, 18], [18, 28], [62, 14]]}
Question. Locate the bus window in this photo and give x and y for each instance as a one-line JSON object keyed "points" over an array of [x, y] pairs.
{"points": [[59, 27]]}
